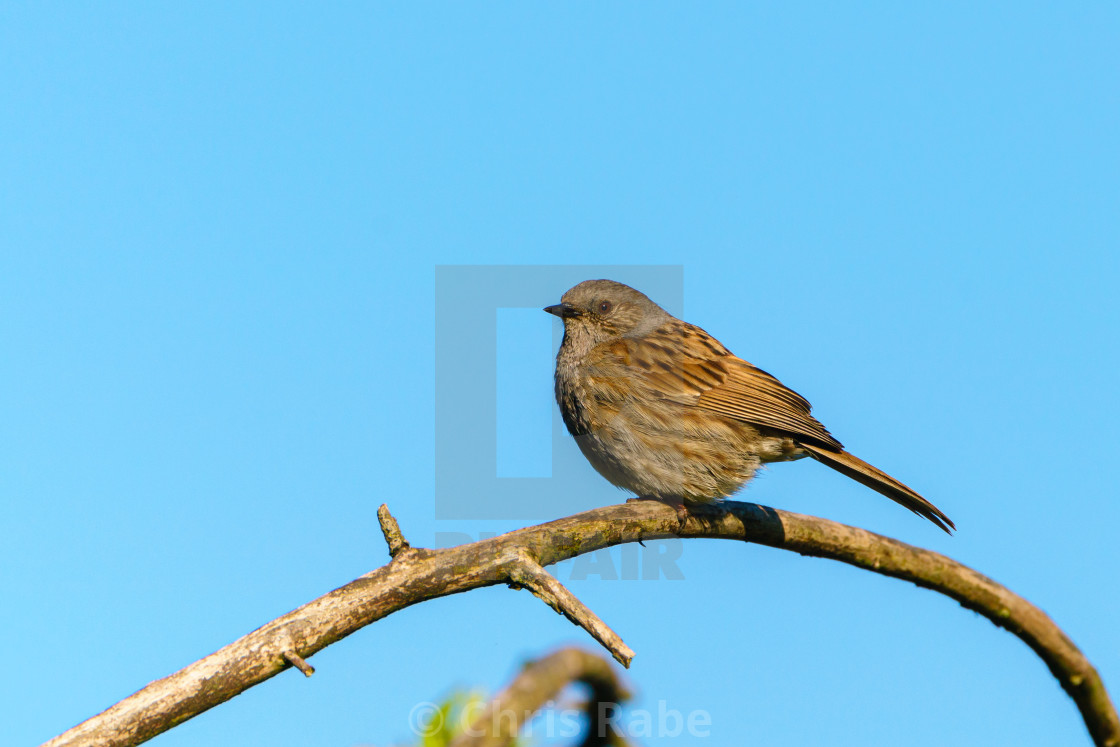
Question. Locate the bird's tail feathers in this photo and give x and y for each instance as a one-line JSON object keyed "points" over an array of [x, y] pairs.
{"points": [[879, 481]]}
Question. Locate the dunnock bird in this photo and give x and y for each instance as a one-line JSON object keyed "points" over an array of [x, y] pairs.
{"points": [[661, 408]]}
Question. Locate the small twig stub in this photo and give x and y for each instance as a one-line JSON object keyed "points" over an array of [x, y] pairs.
{"points": [[392, 532]]}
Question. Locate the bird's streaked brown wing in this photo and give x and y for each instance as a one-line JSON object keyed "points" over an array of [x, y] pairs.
{"points": [[685, 364]]}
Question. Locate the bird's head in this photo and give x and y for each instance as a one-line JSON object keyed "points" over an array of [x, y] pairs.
{"points": [[602, 310]]}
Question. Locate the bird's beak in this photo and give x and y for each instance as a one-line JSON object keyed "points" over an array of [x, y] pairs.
{"points": [[562, 310]]}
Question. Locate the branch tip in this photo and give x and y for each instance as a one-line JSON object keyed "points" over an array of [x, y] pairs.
{"points": [[299, 663], [525, 571], [392, 532]]}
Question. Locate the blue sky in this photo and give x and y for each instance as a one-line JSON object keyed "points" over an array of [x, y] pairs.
{"points": [[219, 228]]}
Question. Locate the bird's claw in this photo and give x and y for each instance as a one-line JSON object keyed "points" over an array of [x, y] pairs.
{"points": [[682, 516]]}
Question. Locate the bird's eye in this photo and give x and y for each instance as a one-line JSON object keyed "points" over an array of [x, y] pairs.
{"points": [[605, 307]]}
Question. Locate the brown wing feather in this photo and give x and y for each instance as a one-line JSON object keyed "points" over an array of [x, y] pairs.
{"points": [[755, 396], [704, 374]]}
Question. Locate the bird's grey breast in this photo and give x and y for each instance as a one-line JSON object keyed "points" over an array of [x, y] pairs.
{"points": [[571, 384]]}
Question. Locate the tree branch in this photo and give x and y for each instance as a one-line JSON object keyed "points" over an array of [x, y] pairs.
{"points": [[499, 723], [415, 575], [524, 571]]}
